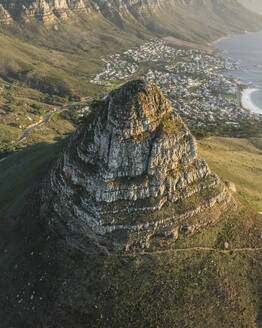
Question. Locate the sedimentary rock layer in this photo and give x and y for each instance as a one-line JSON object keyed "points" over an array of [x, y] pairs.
{"points": [[130, 174]]}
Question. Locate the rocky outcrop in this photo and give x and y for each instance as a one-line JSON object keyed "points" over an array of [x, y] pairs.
{"points": [[131, 174], [50, 11], [4, 15], [198, 21], [47, 11]]}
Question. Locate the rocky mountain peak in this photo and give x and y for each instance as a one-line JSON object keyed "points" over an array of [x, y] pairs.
{"points": [[130, 177], [136, 108]]}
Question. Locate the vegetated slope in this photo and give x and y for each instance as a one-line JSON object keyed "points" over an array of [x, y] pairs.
{"points": [[56, 272], [253, 5], [150, 14], [236, 160], [38, 78], [194, 288]]}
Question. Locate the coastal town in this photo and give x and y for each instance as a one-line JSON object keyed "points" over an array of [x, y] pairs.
{"points": [[192, 80]]}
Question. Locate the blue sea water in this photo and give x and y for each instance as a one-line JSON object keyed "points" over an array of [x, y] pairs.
{"points": [[256, 98], [247, 49]]}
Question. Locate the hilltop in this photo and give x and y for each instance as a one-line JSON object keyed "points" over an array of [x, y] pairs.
{"points": [[131, 174], [130, 229]]}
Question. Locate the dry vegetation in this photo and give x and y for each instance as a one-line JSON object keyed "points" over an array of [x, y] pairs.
{"points": [[239, 161]]}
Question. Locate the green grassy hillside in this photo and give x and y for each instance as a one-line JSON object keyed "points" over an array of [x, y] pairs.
{"points": [[238, 161], [185, 287]]}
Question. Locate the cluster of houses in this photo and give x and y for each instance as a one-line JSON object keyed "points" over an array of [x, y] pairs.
{"points": [[191, 79], [201, 100], [123, 66]]}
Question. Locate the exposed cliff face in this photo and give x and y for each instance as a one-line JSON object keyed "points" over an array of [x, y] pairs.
{"points": [[44, 10], [131, 174], [161, 16], [53, 10], [4, 15]]}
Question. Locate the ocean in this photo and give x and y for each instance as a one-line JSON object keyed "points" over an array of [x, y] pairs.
{"points": [[247, 50]]}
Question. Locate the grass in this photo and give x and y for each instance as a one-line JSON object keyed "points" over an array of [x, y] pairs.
{"points": [[170, 127], [21, 171], [50, 70], [236, 160], [197, 290], [191, 289], [185, 290]]}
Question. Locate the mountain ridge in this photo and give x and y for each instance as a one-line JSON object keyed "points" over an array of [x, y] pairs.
{"points": [[147, 14]]}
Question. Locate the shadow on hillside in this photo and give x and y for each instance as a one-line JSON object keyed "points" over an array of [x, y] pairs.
{"points": [[20, 174], [21, 171]]}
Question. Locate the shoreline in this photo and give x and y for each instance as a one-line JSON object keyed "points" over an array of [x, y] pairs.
{"points": [[247, 102], [221, 39], [232, 35]]}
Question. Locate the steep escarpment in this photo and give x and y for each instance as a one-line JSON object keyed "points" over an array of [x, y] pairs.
{"points": [[190, 19], [131, 174], [46, 11]]}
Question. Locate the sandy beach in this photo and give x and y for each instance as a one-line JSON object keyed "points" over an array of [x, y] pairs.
{"points": [[247, 101]]}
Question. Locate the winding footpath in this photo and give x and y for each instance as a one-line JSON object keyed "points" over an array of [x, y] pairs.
{"points": [[199, 249]]}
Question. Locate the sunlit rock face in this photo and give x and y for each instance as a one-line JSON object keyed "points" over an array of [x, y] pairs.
{"points": [[47, 11], [50, 11], [130, 177]]}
